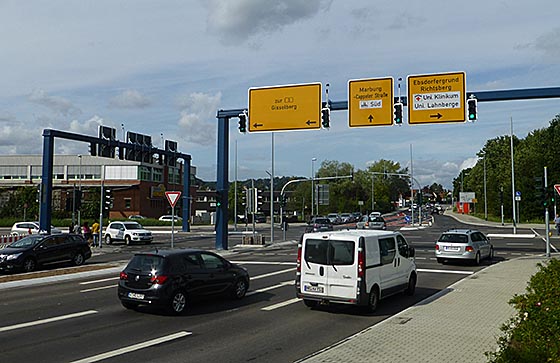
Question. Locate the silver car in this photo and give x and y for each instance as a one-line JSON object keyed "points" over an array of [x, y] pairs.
{"points": [[22, 228], [369, 222], [464, 244]]}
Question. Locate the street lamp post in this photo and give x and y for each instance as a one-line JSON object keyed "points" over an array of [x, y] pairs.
{"points": [[485, 200], [313, 160], [80, 190]]}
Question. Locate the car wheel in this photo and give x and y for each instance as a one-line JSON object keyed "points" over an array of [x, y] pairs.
{"points": [[108, 239], [477, 259], [239, 289], [178, 303], [411, 288], [127, 240], [373, 300], [78, 259], [440, 260], [310, 303], [29, 265], [129, 305]]}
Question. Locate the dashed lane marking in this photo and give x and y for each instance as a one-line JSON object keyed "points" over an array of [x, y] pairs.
{"points": [[282, 304], [48, 320], [446, 271], [98, 281], [264, 289]]}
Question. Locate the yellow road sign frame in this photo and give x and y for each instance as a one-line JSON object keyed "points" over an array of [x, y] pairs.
{"points": [[436, 98], [285, 108], [371, 102]]}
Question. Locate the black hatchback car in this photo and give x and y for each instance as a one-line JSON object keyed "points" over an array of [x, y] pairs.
{"points": [[34, 250], [170, 278]]}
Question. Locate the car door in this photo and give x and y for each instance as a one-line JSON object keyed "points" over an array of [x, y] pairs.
{"points": [[404, 264], [218, 276], [342, 269], [49, 250], [196, 275], [388, 271], [483, 244], [313, 278]]}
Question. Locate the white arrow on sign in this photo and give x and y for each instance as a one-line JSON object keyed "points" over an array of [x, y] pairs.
{"points": [[557, 187], [172, 197]]}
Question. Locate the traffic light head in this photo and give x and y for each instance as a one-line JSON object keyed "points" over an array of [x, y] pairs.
{"points": [[472, 108], [398, 110], [243, 122], [326, 118]]}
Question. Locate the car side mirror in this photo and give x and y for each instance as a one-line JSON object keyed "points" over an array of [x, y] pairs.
{"points": [[411, 251]]}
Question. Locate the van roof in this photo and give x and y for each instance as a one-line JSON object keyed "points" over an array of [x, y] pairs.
{"points": [[353, 233]]}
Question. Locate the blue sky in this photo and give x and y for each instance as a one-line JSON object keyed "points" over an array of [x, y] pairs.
{"points": [[166, 67]]}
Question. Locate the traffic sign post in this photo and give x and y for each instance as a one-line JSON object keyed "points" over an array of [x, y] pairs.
{"points": [[436, 98], [172, 198], [370, 102], [283, 108]]}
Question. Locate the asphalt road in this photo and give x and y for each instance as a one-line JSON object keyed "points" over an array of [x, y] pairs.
{"points": [[85, 321]]}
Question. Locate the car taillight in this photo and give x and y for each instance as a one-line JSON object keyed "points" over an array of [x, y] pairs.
{"points": [[298, 263], [437, 247], [469, 249], [367, 224], [123, 276], [361, 263], [158, 279]]}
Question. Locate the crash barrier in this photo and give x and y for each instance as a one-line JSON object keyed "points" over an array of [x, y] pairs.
{"points": [[253, 239], [6, 240]]}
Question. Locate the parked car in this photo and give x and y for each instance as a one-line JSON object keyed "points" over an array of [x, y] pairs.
{"points": [[169, 218], [170, 278], [32, 251], [27, 227], [463, 244], [368, 222], [334, 218], [136, 217], [354, 267], [346, 218], [319, 224], [128, 232]]}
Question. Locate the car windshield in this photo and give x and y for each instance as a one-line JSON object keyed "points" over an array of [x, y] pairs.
{"points": [[454, 238], [28, 241], [133, 225], [322, 221], [146, 263]]}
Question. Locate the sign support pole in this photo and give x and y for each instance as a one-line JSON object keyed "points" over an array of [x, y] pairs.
{"points": [[546, 216], [172, 225]]}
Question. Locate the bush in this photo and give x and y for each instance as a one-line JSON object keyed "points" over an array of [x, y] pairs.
{"points": [[533, 335]]}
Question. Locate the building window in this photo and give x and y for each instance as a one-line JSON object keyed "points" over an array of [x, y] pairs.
{"points": [[127, 203], [158, 175], [145, 173]]}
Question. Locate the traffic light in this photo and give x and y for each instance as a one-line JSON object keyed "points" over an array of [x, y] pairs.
{"points": [[92, 149], [243, 122], [326, 117], [472, 108], [540, 191], [77, 198], [398, 108], [284, 201], [107, 201]]}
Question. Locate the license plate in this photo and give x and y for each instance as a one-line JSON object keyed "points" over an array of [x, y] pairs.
{"points": [[309, 288], [134, 295], [446, 248]]}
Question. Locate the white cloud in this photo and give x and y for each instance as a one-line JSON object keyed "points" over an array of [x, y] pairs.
{"points": [[130, 99], [237, 21], [468, 163], [56, 104], [198, 118]]}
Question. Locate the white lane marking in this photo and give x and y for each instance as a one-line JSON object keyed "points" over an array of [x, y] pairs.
{"points": [[45, 321], [282, 304], [420, 258], [519, 244], [544, 240], [132, 348], [264, 263], [98, 281], [272, 274], [446, 271], [264, 289], [501, 253], [99, 288]]}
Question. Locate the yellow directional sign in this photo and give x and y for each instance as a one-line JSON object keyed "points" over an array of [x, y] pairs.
{"points": [[280, 108], [370, 102], [436, 98]]}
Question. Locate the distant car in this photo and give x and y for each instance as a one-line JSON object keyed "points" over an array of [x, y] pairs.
{"points": [[368, 222], [32, 251], [260, 218], [169, 218], [319, 224], [346, 218], [375, 214], [357, 216], [128, 232], [170, 278], [334, 218], [136, 217], [25, 227], [463, 244]]}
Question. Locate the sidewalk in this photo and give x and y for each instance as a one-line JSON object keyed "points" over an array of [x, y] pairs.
{"points": [[458, 324]]}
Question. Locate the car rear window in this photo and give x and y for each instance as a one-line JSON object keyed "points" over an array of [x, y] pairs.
{"points": [[329, 252], [322, 221], [376, 219], [146, 263], [454, 238]]}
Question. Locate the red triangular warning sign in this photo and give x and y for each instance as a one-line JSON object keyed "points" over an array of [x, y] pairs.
{"points": [[172, 197]]}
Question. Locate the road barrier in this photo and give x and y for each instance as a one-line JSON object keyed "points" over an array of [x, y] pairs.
{"points": [[6, 240]]}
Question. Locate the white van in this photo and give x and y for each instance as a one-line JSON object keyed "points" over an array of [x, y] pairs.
{"points": [[357, 267]]}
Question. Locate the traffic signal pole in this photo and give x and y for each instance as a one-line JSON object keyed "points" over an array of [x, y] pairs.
{"points": [[546, 216]]}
